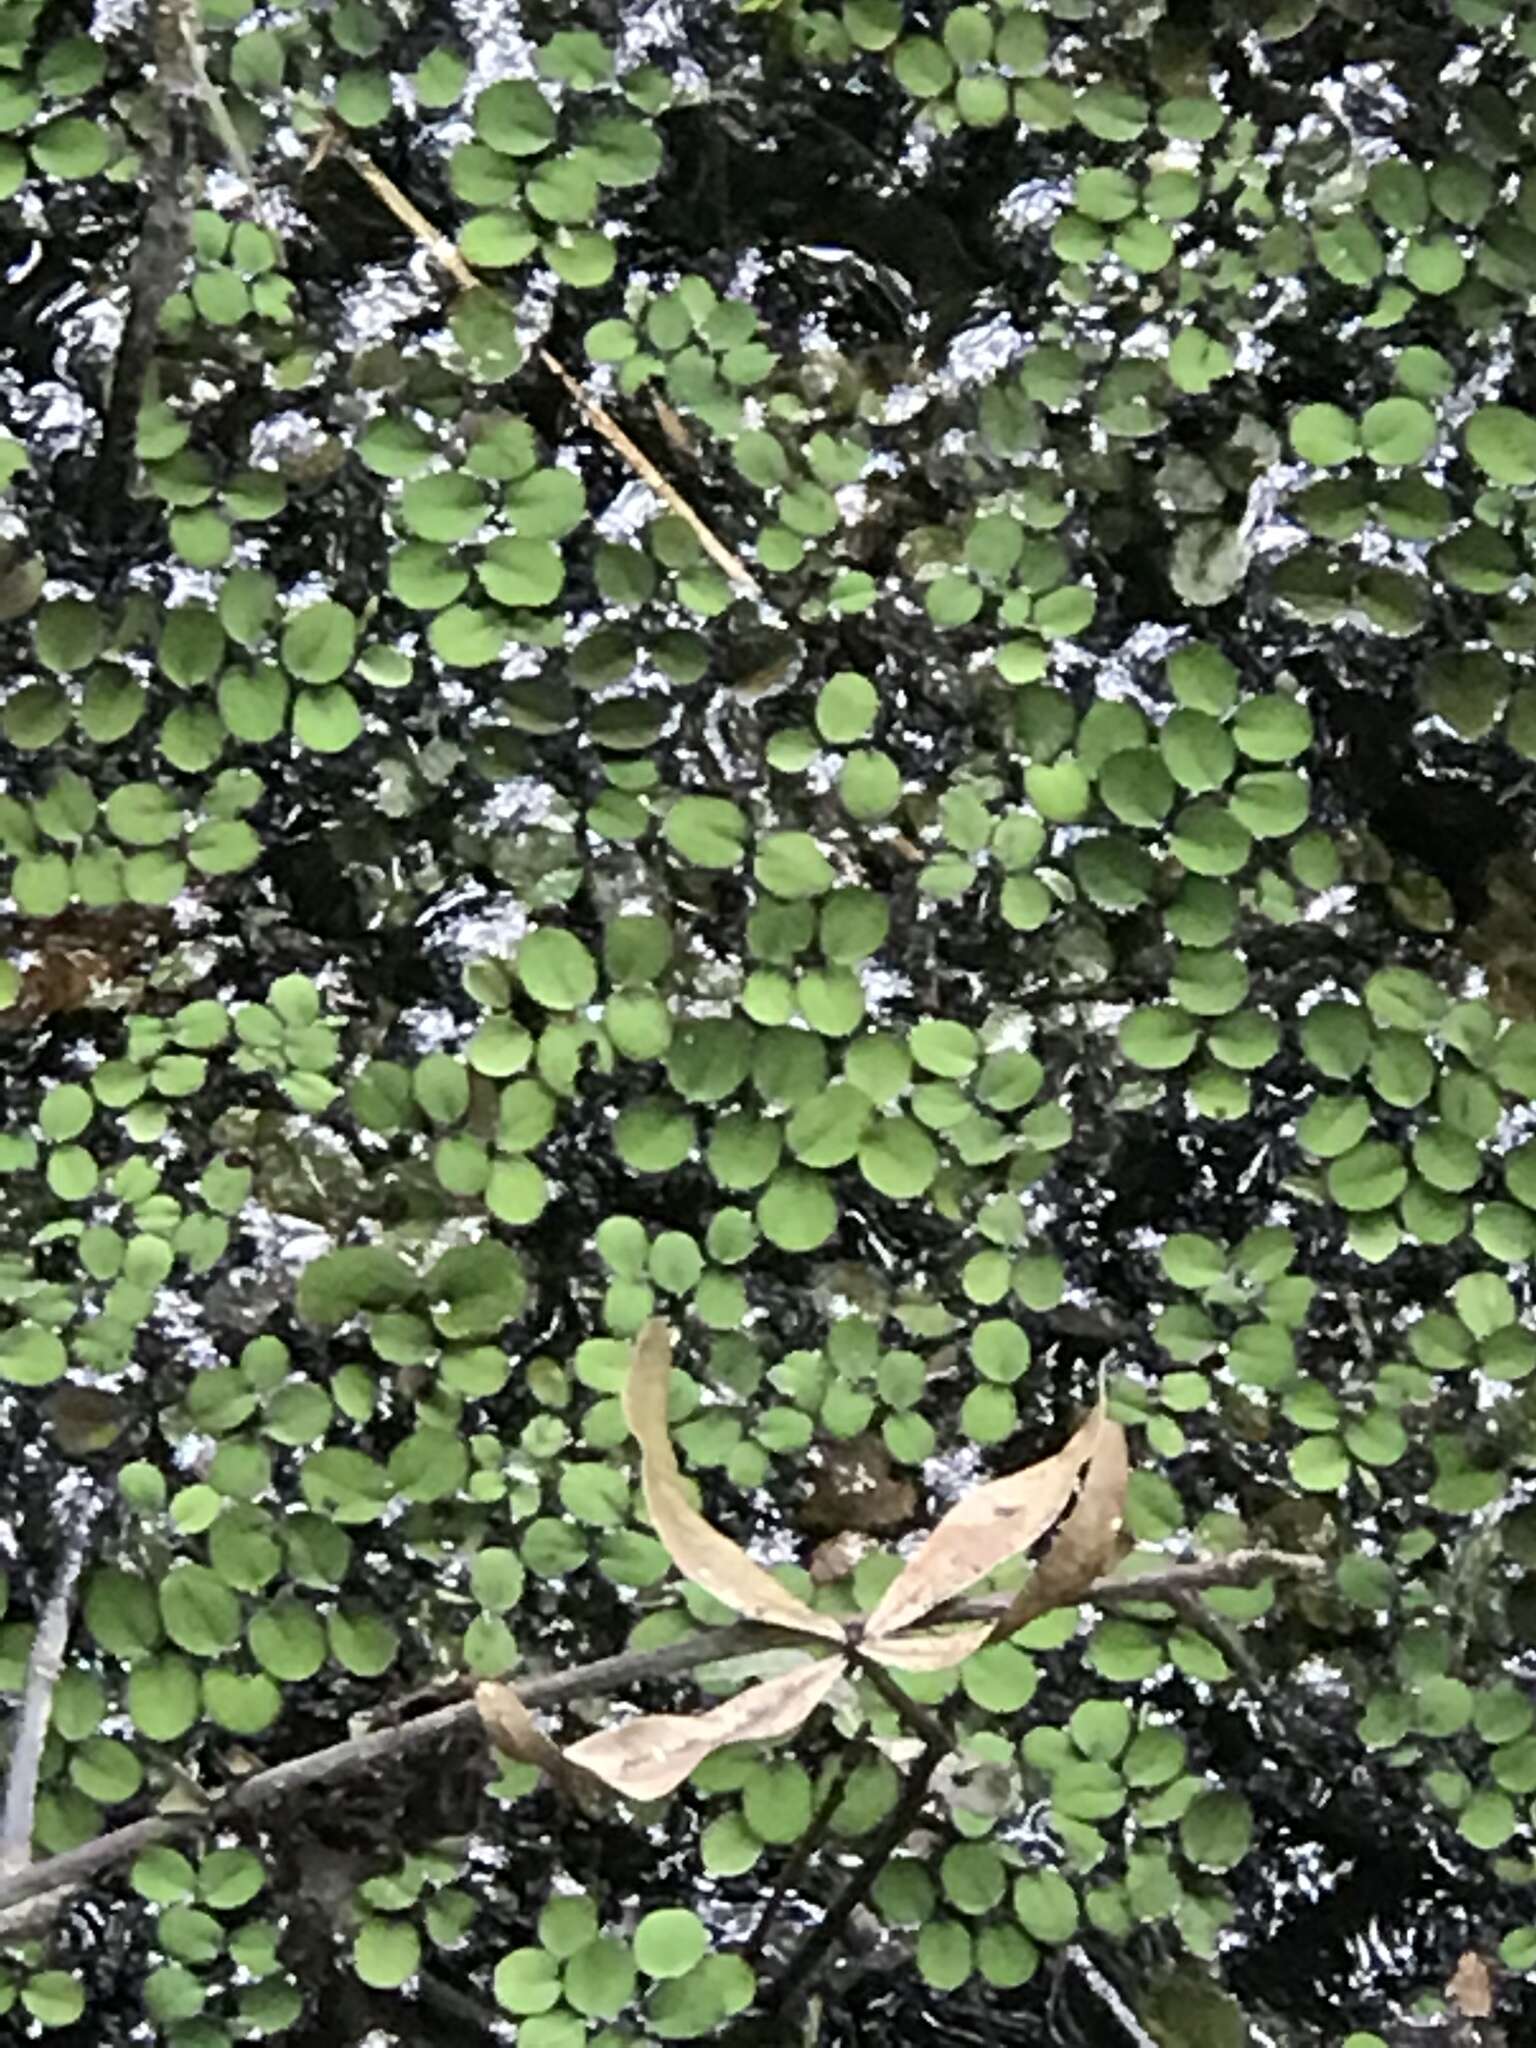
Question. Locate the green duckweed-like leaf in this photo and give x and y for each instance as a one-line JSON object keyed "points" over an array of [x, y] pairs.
{"points": [[1501, 440], [1398, 432], [709, 832], [1324, 435], [670, 1942], [556, 969], [515, 118], [201, 1614], [1217, 1830]]}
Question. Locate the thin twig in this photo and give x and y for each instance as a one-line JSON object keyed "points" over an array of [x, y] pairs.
{"points": [[1080, 1958], [806, 1847], [1199, 1620], [219, 117], [445, 252], [43, 1668], [796, 1981], [1198, 1574], [603, 1678]]}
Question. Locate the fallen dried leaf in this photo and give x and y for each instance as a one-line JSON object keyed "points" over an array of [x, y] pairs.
{"points": [[700, 1553], [984, 1530], [650, 1757], [512, 1729], [1084, 1547], [1471, 1986], [856, 1488]]}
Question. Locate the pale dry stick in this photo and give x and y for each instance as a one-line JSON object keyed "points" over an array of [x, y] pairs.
{"points": [[219, 117], [1080, 1958], [34, 1918], [445, 252], [43, 1669], [608, 1675]]}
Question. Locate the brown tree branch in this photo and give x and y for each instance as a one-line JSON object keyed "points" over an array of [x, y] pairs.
{"points": [[913, 1716], [165, 239], [605, 1677]]}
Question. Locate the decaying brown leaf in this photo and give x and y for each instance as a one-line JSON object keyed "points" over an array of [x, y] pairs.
{"points": [[512, 1729], [1471, 1987], [856, 1487], [984, 1530], [701, 1553], [837, 1558], [651, 1756], [1084, 1546], [86, 1419]]}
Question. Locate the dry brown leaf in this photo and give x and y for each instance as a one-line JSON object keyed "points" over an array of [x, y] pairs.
{"points": [[1084, 1546], [650, 1757], [984, 1530], [836, 1558], [1471, 1986], [700, 1553], [936, 1651], [512, 1729], [857, 1488]]}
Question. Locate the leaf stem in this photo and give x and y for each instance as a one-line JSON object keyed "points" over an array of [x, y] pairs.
{"points": [[925, 1726]]}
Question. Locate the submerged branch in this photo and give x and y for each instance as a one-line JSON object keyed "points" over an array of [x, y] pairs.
{"points": [[164, 242]]}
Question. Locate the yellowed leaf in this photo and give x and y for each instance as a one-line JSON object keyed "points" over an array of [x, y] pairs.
{"points": [[700, 1553], [936, 1650], [650, 1757], [982, 1531], [1084, 1547]]}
